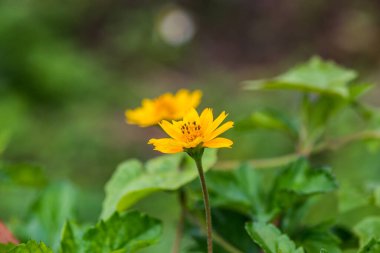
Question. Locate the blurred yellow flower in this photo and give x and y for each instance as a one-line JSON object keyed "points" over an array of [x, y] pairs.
{"points": [[167, 106], [192, 132]]}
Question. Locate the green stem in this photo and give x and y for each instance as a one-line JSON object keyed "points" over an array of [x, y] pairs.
{"points": [[264, 163], [198, 161]]}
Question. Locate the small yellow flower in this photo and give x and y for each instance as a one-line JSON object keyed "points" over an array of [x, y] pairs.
{"points": [[193, 131], [167, 106]]}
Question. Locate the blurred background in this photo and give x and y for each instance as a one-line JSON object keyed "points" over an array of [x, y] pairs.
{"points": [[69, 69]]}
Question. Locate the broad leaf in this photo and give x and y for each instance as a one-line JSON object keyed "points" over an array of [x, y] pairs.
{"points": [[368, 229], [316, 75], [269, 119], [351, 197], [239, 189], [373, 246], [48, 214], [270, 239], [30, 246], [300, 180], [316, 239], [122, 233], [133, 181]]}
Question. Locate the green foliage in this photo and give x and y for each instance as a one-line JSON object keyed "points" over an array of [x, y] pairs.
{"points": [[318, 238], [270, 239], [132, 181], [22, 174], [316, 75], [30, 246], [48, 214], [269, 119], [300, 180], [299, 207], [127, 233], [240, 190], [368, 229]]}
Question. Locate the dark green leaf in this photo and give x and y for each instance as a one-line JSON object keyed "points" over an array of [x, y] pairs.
{"points": [[122, 233], [239, 189], [316, 75], [320, 238], [132, 181], [270, 239], [299, 180]]}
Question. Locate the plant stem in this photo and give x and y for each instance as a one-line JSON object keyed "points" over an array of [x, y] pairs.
{"points": [[264, 163], [198, 161], [181, 222], [217, 238]]}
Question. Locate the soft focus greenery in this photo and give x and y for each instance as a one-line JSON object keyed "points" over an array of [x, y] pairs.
{"points": [[302, 175]]}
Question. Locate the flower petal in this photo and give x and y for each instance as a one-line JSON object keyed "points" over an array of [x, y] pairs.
{"points": [[195, 98], [171, 130], [191, 115], [219, 130], [206, 118], [166, 145], [216, 123], [218, 143]]}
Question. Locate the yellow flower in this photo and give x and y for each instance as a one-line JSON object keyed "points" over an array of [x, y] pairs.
{"points": [[193, 131], [167, 106]]}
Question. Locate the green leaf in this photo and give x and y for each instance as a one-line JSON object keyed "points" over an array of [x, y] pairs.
{"points": [[4, 248], [358, 90], [132, 181], [373, 246], [269, 119], [368, 229], [316, 239], [300, 180], [351, 197], [121, 233], [316, 75], [238, 189], [31, 246], [317, 113], [48, 214], [270, 239]]}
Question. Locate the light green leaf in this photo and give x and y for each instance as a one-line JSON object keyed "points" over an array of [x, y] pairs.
{"points": [[316, 75], [5, 248], [48, 214], [373, 246], [132, 181], [368, 229], [31, 246], [121, 233], [270, 239], [359, 90], [268, 119]]}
